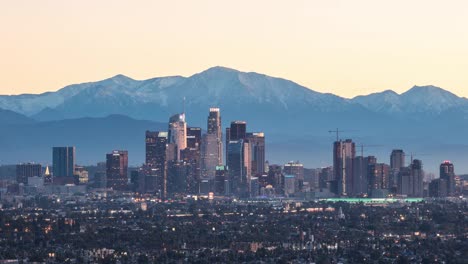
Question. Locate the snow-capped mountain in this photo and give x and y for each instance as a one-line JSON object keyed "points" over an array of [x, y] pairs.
{"points": [[295, 119], [427, 100], [244, 94]]}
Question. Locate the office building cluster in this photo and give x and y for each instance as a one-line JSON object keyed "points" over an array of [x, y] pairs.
{"points": [[185, 160]]}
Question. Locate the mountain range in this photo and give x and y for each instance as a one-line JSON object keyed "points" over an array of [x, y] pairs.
{"points": [[113, 114]]}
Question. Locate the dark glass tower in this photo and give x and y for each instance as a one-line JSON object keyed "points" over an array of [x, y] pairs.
{"points": [[26, 170], [238, 130], [63, 161], [156, 162], [447, 173], [116, 169]]}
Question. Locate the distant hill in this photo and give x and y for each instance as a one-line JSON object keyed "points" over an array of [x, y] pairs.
{"points": [[93, 137], [425, 119]]}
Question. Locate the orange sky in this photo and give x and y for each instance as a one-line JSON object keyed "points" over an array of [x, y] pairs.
{"points": [[343, 47]]}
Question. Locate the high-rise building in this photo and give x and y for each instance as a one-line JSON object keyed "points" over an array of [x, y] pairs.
{"points": [[155, 169], [26, 170], [290, 184], [214, 127], [417, 174], [238, 167], [209, 155], [297, 169], [116, 169], [257, 146], [344, 153], [194, 138], [378, 177], [178, 132], [447, 173], [397, 159], [361, 166], [63, 161], [438, 188], [410, 180], [212, 144], [221, 177], [238, 130], [325, 176]]}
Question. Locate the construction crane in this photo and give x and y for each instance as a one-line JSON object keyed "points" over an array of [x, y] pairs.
{"points": [[418, 154], [337, 131], [362, 146]]}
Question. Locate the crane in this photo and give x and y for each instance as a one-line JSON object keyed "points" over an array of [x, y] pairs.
{"points": [[337, 131], [418, 154], [362, 146]]}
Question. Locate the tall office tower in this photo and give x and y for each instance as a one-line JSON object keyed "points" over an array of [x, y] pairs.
{"points": [[194, 138], [221, 180], [214, 127], [26, 170], [397, 161], [417, 174], [210, 156], [405, 183], [447, 173], [361, 166], [237, 155], [257, 146], [359, 176], [343, 154], [116, 169], [63, 161], [238, 130], [410, 180], [297, 169], [325, 176], [378, 177], [438, 188], [227, 139], [275, 178], [156, 162], [178, 132]]}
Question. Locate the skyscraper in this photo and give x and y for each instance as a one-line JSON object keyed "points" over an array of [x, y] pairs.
{"points": [[26, 170], [155, 169], [209, 155], [397, 159], [447, 173], [257, 146], [343, 154], [410, 180], [214, 127], [238, 167], [178, 132], [238, 130], [378, 177], [116, 169], [212, 144], [294, 168], [194, 138], [361, 174], [63, 161], [417, 174]]}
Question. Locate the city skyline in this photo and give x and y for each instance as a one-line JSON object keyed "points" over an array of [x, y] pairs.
{"points": [[346, 48]]}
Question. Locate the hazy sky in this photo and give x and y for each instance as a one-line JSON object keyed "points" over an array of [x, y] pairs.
{"points": [[346, 47]]}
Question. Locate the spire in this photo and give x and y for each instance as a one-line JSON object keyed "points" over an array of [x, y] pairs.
{"points": [[47, 172]]}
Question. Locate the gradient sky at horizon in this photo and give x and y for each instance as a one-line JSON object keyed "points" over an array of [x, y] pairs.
{"points": [[342, 47]]}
